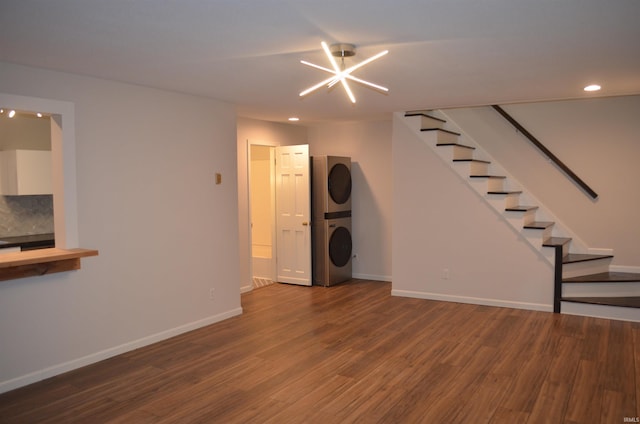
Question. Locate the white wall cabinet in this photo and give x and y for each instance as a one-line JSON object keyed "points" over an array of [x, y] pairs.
{"points": [[25, 172]]}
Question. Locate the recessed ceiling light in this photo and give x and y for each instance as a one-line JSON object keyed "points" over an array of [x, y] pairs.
{"points": [[12, 113], [294, 119], [592, 87]]}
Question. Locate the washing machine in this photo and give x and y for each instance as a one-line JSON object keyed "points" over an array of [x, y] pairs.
{"points": [[333, 251], [330, 186]]}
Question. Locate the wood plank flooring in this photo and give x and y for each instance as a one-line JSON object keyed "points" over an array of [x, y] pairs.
{"points": [[354, 354]]}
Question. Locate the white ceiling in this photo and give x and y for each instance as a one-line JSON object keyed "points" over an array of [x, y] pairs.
{"points": [[443, 53]]}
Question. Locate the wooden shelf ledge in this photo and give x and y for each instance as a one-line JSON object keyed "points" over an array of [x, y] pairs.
{"points": [[41, 262]]}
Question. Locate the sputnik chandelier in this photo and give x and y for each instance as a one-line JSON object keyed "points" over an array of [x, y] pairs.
{"points": [[340, 74]]}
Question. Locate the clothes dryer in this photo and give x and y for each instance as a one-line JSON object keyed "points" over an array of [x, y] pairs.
{"points": [[331, 186], [332, 251]]}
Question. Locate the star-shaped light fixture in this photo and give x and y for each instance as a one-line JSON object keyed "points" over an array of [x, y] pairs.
{"points": [[342, 75]]}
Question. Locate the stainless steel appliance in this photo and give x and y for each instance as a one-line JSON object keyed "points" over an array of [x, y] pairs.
{"points": [[331, 223], [331, 185]]}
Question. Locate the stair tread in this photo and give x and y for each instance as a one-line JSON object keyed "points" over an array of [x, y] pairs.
{"points": [[628, 302], [456, 144], [440, 129], [471, 160], [505, 192], [539, 225], [605, 277], [556, 241], [521, 208], [583, 257], [423, 114], [487, 176]]}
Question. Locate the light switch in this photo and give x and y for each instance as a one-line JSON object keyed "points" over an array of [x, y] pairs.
{"points": [[218, 178]]}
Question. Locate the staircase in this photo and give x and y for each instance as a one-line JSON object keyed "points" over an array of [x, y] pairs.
{"points": [[583, 282]]}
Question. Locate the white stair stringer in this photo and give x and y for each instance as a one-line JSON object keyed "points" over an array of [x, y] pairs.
{"points": [[498, 202]]}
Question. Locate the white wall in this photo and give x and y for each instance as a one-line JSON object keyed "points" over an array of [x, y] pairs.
{"points": [[146, 199], [598, 139], [368, 143], [448, 244]]}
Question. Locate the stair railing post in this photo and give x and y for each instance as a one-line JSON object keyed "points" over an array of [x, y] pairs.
{"points": [[557, 280]]}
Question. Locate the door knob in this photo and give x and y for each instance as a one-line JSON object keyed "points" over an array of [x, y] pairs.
{"points": [[305, 223]]}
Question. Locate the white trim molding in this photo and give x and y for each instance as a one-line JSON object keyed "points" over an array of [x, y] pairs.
{"points": [[373, 277], [473, 300]]}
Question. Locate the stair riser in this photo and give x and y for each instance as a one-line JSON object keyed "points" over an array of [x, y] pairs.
{"points": [[445, 137], [415, 122], [500, 202], [477, 168], [456, 152], [511, 201], [426, 122], [439, 137], [484, 185], [537, 236], [601, 311], [600, 289], [583, 268], [518, 219], [495, 184], [461, 153], [471, 168]]}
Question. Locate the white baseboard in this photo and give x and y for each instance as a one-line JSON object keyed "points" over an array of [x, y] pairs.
{"points": [[600, 251], [54, 370], [372, 277], [245, 289], [623, 268], [473, 300]]}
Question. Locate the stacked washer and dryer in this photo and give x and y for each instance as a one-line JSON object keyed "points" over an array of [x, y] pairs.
{"points": [[331, 220]]}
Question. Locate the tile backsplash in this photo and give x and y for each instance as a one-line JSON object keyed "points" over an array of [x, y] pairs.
{"points": [[23, 215]]}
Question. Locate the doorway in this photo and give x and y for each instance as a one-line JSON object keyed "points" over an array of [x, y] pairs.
{"points": [[279, 214], [262, 214]]}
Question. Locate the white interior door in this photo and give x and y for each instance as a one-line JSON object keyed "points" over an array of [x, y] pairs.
{"points": [[293, 215]]}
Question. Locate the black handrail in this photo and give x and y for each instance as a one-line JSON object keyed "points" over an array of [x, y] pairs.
{"points": [[546, 151]]}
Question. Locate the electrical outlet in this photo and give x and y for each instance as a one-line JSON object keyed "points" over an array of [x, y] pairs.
{"points": [[445, 274], [212, 293]]}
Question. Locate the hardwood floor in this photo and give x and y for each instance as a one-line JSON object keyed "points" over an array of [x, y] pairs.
{"points": [[353, 353]]}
